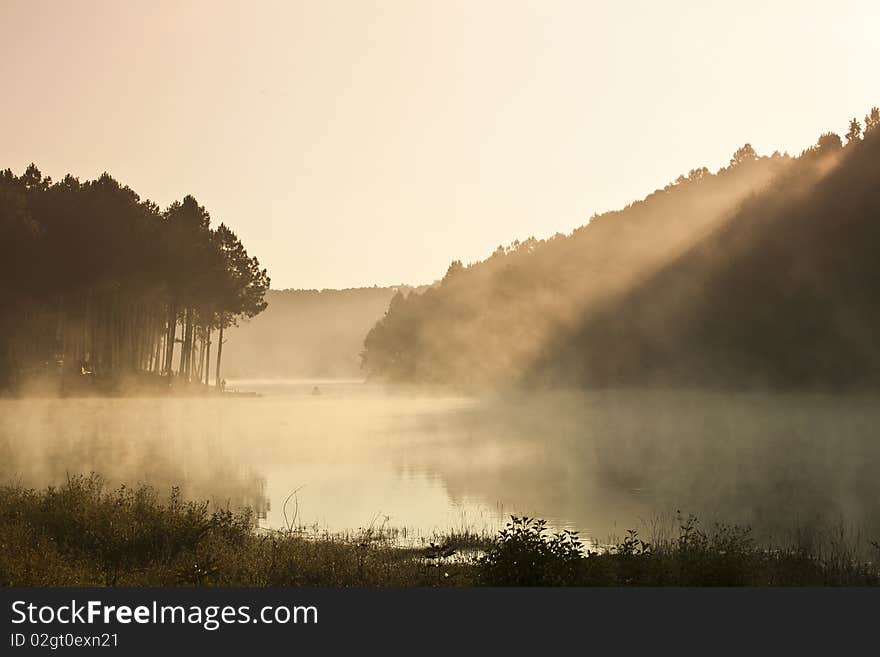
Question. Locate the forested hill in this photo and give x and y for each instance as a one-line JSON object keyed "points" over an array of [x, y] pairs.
{"points": [[306, 334], [786, 294], [762, 272]]}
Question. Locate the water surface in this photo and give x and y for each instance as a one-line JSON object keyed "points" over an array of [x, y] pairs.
{"points": [[362, 455]]}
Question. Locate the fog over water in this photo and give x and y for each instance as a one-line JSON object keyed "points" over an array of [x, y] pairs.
{"points": [[362, 454]]}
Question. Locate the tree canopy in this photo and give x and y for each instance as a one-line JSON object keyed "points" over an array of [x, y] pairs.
{"points": [[96, 280]]}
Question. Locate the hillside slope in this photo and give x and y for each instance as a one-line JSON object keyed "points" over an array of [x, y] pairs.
{"points": [[764, 273], [784, 294], [489, 322]]}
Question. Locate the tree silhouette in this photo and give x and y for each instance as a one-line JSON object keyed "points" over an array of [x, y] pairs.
{"points": [[872, 119], [97, 281], [854, 133], [829, 141], [743, 154]]}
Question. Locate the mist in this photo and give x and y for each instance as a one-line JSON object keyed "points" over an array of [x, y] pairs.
{"points": [[787, 465], [316, 334], [707, 350], [487, 323], [756, 277], [605, 461], [778, 297]]}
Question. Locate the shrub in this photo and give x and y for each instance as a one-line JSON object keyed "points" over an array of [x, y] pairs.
{"points": [[525, 553]]}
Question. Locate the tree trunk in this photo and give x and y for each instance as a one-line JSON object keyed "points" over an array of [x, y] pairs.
{"points": [[217, 379], [172, 331], [157, 336], [181, 365], [183, 368], [198, 369], [208, 359]]}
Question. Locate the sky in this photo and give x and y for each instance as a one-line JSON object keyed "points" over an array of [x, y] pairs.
{"points": [[353, 143]]}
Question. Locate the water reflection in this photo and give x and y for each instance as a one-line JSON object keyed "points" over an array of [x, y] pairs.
{"points": [[361, 455]]}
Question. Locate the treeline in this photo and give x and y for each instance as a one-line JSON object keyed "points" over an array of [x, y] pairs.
{"points": [[98, 284], [523, 314], [782, 296]]}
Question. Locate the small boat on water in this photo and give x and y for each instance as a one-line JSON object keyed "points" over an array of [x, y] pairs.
{"points": [[240, 393]]}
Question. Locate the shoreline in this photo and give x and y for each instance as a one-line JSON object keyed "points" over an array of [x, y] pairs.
{"points": [[136, 384], [82, 534]]}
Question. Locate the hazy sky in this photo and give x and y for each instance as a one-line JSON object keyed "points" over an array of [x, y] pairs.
{"points": [[352, 143]]}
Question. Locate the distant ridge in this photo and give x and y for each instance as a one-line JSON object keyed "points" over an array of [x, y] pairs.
{"points": [[307, 334]]}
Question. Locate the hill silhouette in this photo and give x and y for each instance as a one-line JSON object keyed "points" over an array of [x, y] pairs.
{"points": [[760, 273], [783, 294]]}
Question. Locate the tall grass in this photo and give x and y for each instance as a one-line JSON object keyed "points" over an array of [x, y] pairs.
{"points": [[84, 534]]}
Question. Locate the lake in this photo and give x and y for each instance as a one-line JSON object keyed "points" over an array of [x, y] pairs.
{"points": [[346, 455]]}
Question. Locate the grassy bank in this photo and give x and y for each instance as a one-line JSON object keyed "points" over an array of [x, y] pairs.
{"points": [[83, 534]]}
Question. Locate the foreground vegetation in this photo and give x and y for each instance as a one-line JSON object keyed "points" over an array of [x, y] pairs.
{"points": [[84, 534]]}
